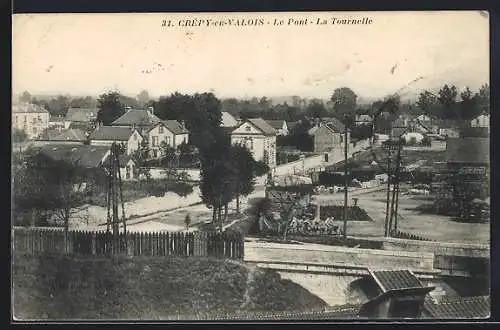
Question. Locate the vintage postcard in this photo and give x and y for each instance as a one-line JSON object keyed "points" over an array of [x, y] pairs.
{"points": [[251, 166]]}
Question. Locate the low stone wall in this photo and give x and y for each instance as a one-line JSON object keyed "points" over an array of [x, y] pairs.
{"points": [[438, 248]]}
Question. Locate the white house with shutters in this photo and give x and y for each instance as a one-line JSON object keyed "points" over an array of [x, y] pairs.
{"points": [[172, 132], [259, 137]]}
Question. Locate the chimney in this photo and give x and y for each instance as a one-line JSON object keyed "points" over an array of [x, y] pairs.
{"points": [[151, 110]]}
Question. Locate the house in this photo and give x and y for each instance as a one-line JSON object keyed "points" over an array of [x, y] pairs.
{"points": [[328, 134], [259, 137], [363, 120], [69, 136], [143, 120], [280, 126], [57, 122], [129, 138], [483, 120], [30, 118], [323, 137], [128, 167], [80, 117], [412, 138], [424, 124], [399, 127], [172, 132], [228, 120], [386, 294], [85, 155]]}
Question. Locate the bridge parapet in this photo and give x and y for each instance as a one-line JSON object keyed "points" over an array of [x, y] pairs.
{"points": [[438, 248]]}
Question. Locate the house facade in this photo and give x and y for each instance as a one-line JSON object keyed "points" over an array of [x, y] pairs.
{"points": [[80, 117], [171, 132], [259, 137], [482, 120], [30, 118], [130, 139], [323, 138]]}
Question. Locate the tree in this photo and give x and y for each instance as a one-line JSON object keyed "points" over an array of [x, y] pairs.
{"points": [[25, 97], [110, 107], [187, 221], [140, 157], [344, 101], [245, 171], [83, 102], [19, 135], [382, 113], [447, 98], [143, 98], [316, 109], [43, 184]]}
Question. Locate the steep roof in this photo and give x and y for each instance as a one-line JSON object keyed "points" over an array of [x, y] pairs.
{"points": [[86, 156], [459, 308], [475, 150], [263, 126], [81, 114], [28, 108], [111, 133], [228, 120], [276, 124], [175, 127], [72, 134], [313, 130], [333, 123], [137, 117], [389, 280]]}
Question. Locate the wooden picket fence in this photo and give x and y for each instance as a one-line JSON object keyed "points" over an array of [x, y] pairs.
{"points": [[157, 244]]}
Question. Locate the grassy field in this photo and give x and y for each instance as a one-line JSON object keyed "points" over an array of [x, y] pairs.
{"points": [[435, 227], [58, 287]]}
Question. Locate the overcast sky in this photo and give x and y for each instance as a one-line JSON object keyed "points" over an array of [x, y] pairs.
{"points": [[88, 54]]}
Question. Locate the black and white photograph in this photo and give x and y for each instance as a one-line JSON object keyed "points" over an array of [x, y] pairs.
{"points": [[250, 166]]}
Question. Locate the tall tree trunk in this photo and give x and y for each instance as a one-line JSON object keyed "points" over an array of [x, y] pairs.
{"points": [[238, 201], [220, 217], [214, 214]]}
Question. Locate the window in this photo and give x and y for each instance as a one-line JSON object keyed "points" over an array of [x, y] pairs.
{"points": [[25, 119], [135, 137], [127, 175], [155, 153], [154, 141], [251, 144], [167, 140], [341, 139], [160, 129], [477, 121], [248, 128], [15, 118], [39, 118]]}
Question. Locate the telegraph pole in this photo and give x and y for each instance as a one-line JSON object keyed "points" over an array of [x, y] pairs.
{"points": [[346, 181], [397, 178], [386, 232]]}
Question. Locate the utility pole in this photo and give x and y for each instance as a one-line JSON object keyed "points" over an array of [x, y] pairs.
{"points": [[397, 178], [386, 232], [114, 193], [346, 181]]}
